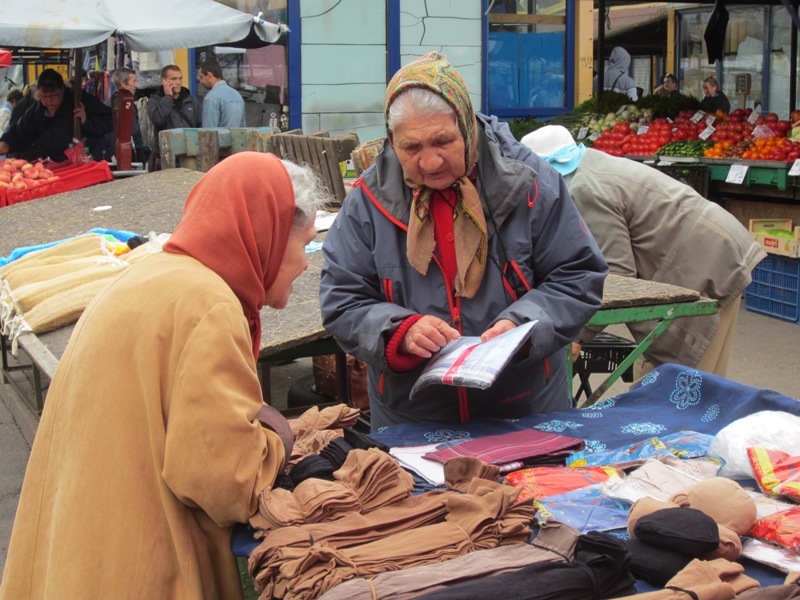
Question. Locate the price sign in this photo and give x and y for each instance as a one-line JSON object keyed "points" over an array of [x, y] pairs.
{"points": [[582, 132], [736, 174], [595, 135], [697, 117], [710, 120], [642, 129], [664, 163], [795, 170], [622, 109], [706, 133], [752, 118], [669, 120]]}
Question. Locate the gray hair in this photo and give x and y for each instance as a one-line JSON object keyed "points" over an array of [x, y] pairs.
{"points": [[310, 193], [121, 75], [419, 103]]}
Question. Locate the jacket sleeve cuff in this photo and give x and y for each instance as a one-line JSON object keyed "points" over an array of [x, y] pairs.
{"points": [[398, 361]]}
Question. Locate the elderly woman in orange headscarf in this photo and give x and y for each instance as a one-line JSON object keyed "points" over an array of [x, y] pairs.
{"points": [[154, 440], [457, 229]]}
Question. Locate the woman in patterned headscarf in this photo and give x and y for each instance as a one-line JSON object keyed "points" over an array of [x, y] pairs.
{"points": [[456, 230]]}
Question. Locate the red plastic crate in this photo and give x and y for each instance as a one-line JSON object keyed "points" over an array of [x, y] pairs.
{"points": [[69, 179]]}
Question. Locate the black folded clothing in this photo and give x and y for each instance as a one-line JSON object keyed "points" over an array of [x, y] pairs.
{"points": [[655, 564], [685, 530], [362, 441]]}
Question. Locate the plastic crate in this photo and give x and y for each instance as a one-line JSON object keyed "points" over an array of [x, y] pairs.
{"points": [[602, 355], [695, 177], [775, 289], [776, 177], [69, 179]]}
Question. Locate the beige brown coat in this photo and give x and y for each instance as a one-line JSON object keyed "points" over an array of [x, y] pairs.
{"points": [[148, 450]]}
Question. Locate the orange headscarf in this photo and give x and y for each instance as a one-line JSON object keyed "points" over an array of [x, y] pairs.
{"points": [[236, 221]]}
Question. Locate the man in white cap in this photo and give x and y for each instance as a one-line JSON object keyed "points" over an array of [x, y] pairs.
{"points": [[650, 226]]}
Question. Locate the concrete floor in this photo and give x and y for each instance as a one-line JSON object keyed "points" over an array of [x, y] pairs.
{"points": [[765, 355]]}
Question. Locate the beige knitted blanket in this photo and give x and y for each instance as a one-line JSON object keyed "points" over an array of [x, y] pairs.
{"points": [[50, 288]]}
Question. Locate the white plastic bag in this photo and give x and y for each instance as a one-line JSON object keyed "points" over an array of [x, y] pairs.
{"points": [[772, 429]]}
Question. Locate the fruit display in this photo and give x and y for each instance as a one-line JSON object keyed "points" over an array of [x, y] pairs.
{"points": [[19, 174], [630, 115]]}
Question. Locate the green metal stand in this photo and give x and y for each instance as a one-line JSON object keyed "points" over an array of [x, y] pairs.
{"points": [[665, 314]]}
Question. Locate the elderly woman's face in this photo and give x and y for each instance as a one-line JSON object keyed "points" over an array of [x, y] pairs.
{"points": [[431, 150], [709, 89], [293, 264]]}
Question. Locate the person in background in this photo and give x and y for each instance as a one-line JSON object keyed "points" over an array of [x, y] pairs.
{"points": [[172, 106], [616, 76], [457, 229], [29, 95], [142, 465], [125, 79], [12, 99], [223, 106], [651, 226], [46, 130], [668, 87], [714, 98]]}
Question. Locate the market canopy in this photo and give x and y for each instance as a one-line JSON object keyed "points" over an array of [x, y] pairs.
{"points": [[143, 25]]}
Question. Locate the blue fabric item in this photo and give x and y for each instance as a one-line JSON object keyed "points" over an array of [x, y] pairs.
{"points": [[567, 159], [670, 399], [122, 236], [223, 106]]}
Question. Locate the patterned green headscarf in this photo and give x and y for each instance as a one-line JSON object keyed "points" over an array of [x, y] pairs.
{"points": [[432, 72]]}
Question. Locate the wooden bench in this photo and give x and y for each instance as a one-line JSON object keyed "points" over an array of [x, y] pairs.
{"points": [[321, 152], [199, 149]]}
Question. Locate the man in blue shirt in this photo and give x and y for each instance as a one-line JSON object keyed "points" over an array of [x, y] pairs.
{"points": [[223, 106]]}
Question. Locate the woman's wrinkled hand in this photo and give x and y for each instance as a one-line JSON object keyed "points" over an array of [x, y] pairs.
{"points": [[427, 336]]}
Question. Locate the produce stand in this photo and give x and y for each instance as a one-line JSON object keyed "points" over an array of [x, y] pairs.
{"points": [[68, 178]]}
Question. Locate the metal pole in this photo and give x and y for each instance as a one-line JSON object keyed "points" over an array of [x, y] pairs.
{"points": [[601, 48], [76, 90]]}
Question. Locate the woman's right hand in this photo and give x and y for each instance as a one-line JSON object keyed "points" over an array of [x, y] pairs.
{"points": [[427, 336]]}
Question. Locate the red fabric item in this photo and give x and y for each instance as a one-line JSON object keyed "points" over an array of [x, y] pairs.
{"points": [[777, 473], [400, 362], [541, 482], [782, 528], [236, 221], [530, 445], [442, 203]]}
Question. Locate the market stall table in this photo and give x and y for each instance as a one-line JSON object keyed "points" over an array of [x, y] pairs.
{"points": [[670, 400]]}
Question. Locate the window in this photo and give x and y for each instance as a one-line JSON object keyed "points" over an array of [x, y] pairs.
{"points": [[526, 56]]}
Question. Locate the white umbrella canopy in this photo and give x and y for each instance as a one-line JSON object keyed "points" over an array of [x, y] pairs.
{"points": [[144, 25]]}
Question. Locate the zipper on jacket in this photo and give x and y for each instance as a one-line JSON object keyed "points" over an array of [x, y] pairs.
{"points": [[535, 194]]}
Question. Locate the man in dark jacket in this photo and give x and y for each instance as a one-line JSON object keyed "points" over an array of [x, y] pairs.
{"points": [[46, 130], [172, 106]]}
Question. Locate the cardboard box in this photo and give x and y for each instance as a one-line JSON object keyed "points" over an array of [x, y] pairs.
{"points": [[783, 245]]}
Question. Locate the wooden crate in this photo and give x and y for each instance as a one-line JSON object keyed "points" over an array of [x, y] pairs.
{"points": [[321, 152], [200, 149], [364, 154]]}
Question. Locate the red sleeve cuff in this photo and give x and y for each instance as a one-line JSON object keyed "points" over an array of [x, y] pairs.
{"points": [[400, 362]]}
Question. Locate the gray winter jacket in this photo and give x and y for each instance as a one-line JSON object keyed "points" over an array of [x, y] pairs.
{"points": [[368, 287]]}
